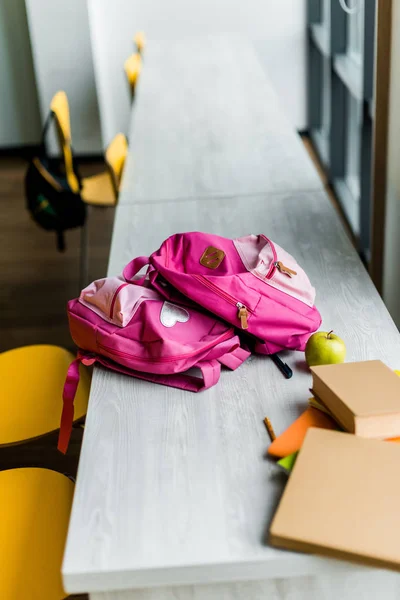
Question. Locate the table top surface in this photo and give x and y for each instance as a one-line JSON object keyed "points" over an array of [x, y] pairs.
{"points": [[207, 122], [173, 487]]}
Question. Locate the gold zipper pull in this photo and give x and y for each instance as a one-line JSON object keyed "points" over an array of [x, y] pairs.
{"points": [[281, 267], [242, 315]]}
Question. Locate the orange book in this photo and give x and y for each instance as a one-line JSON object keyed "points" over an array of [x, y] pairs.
{"points": [[292, 438]]}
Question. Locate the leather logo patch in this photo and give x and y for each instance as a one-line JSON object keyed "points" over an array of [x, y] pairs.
{"points": [[212, 257]]}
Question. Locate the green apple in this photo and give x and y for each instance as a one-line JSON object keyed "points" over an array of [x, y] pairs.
{"points": [[325, 349]]}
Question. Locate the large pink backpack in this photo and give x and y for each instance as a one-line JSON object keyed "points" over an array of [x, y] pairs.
{"points": [[134, 330], [249, 282]]}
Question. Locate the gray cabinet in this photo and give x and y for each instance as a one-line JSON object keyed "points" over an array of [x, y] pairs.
{"points": [[340, 101]]}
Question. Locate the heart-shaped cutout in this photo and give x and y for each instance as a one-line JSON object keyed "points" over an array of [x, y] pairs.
{"points": [[171, 314]]}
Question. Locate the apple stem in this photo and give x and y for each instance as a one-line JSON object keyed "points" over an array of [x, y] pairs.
{"points": [[328, 335]]}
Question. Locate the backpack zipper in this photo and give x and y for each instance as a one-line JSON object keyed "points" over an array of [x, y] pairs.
{"points": [[281, 267], [277, 264], [163, 359], [272, 267], [243, 315], [243, 310]]}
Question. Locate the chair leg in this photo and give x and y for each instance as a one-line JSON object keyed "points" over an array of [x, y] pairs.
{"points": [[84, 257]]}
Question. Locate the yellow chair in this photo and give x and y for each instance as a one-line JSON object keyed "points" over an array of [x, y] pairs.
{"points": [[139, 39], [103, 189], [98, 190], [133, 67], [60, 109], [32, 380], [35, 505]]}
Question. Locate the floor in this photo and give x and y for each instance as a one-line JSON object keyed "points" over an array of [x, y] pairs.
{"points": [[35, 279], [35, 283]]}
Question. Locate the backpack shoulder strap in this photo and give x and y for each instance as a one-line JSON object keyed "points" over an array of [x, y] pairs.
{"points": [[46, 127], [235, 358]]}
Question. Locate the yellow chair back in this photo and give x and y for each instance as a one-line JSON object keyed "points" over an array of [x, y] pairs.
{"points": [[35, 505], [133, 67], [60, 108], [139, 40], [32, 380], [115, 159]]}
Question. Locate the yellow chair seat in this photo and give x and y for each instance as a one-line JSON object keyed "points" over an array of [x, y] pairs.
{"points": [[32, 381], [98, 190], [35, 505]]}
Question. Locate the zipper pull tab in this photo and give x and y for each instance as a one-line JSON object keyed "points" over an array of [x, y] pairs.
{"points": [[242, 315], [281, 267]]}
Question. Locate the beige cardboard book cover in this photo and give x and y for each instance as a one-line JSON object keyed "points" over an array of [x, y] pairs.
{"points": [[364, 397], [342, 499]]}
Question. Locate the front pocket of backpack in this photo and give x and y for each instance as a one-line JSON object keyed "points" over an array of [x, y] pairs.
{"points": [[242, 300], [275, 267], [115, 300], [287, 276]]}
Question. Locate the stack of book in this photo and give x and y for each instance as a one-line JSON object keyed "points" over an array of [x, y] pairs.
{"points": [[362, 397], [342, 495]]}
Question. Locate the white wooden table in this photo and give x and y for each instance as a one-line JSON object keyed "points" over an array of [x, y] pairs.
{"points": [[174, 493], [207, 122]]}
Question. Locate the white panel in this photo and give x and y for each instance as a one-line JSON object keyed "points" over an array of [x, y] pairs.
{"points": [[355, 33], [278, 30], [19, 111], [63, 60], [326, 96], [353, 147], [326, 13]]}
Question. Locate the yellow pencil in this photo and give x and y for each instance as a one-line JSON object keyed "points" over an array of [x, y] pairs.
{"points": [[270, 429]]}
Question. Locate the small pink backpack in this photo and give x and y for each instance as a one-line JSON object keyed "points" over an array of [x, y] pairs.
{"points": [[249, 282], [132, 329]]}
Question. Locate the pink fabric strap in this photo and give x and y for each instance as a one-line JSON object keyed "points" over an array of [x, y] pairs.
{"points": [[67, 417], [234, 359], [210, 371], [267, 348], [133, 269]]}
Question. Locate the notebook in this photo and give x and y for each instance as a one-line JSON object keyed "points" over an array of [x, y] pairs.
{"points": [[292, 438], [286, 464], [364, 397], [342, 499]]}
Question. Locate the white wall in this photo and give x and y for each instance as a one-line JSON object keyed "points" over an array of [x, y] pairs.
{"points": [[19, 111], [391, 280], [277, 26], [63, 60]]}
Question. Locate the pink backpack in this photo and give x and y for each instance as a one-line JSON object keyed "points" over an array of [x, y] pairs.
{"points": [[132, 329], [249, 282]]}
